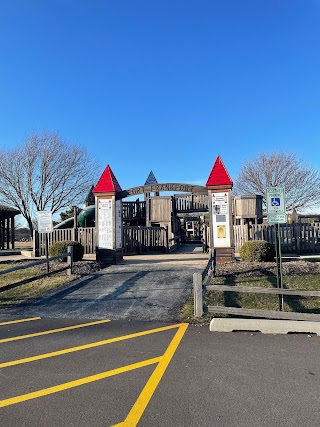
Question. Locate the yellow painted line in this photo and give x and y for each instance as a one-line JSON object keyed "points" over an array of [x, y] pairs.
{"points": [[151, 385], [84, 346], [77, 383], [20, 321], [52, 331]]}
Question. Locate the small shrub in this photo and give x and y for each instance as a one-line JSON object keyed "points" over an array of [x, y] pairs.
{"points": [[257, 250], [61, 248]]}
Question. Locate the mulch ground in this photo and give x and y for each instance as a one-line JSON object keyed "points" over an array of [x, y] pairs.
{"points": [[259, 269]]}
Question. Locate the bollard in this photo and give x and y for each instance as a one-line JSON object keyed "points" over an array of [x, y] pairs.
{"points": [[70, 260]]}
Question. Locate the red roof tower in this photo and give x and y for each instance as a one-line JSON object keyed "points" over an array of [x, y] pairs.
{"points": [[219, 176], [107, 182]]}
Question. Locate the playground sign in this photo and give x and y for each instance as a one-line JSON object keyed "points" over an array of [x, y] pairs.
{"points": [[105, 223], [276, 208], [220, 219], [44, 221]]}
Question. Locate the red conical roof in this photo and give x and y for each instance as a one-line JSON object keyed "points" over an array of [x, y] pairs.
{"points": [[107, 182], [219, 174]]}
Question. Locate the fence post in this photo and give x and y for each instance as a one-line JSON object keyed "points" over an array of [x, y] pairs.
{"points": [[70, 260], [167, 239], [35, 244], [298, 236], [197, 293]]}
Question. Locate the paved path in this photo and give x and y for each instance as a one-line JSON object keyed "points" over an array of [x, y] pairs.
{"points": [[145, 287]]}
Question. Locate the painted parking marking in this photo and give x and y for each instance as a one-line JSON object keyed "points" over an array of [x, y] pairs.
{"points": [[84, 346], [141, 403], [76, 383], [19, 321], [52, 331], [151, 385]]}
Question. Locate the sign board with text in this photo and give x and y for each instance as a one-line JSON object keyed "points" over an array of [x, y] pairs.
{"points": [[277, 218], [221, 219], [276, 205], [275, 200], [44, 221]]}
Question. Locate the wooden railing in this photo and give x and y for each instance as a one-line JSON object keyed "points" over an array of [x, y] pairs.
{"points": [[68, 268], [145, 239], [201, 284], [133, 210], [296, 238], [200, 281], [269, 314], [191, 202], [86, 236]]}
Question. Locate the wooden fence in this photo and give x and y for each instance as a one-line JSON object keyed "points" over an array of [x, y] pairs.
{"points": [[297, 238], [145, 239], [201, 284], [68, 268], [200, 281], [135, 239], [191, 202], [86, 236]]}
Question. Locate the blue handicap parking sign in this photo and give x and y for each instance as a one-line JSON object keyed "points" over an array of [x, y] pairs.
{"points": [[275, 201]]}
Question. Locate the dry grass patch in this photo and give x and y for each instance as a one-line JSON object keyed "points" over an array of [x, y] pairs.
{"points": [[302, 275], [13, 290]]}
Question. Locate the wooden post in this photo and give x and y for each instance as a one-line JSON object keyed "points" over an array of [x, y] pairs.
{"points": [[197, 293], [167, 239], [70, 260], [35, 251], [12, 233], [297, 232]]}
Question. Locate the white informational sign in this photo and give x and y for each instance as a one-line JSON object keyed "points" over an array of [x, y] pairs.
{"points": [[221, 220], [44, 221], [277, 218], [105, 224], [276, 205], [118, 224], [275, 200]]}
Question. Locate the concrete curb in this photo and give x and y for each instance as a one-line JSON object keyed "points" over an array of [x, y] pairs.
{"points": [[265, 326]]}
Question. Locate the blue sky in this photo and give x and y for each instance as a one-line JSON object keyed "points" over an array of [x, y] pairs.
{"points": [[164, 85]]}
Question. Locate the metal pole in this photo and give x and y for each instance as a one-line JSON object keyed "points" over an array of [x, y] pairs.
{"points": [[47, 252], [280, 266]]}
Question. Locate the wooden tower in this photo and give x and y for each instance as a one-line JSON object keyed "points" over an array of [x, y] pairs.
{"points": [[219, 185], [108, 212]]}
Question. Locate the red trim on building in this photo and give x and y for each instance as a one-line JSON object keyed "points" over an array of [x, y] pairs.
{"points": [[107, 182], [219, 174]]}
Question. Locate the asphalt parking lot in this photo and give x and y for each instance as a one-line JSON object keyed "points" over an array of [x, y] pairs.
{"points": [[151, 374]]}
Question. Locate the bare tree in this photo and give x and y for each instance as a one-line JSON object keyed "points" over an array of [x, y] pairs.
{"points": [[301, 183], [45, 173]]}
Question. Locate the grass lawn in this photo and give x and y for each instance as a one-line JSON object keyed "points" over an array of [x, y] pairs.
{"points": [[257, 301], [23, 292]]}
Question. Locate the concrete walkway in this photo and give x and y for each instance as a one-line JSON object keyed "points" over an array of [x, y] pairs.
{"points": [[143, 287]]}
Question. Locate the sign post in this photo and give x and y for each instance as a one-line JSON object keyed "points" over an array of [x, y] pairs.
{"points": [[45, 226], [276, 211]]}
